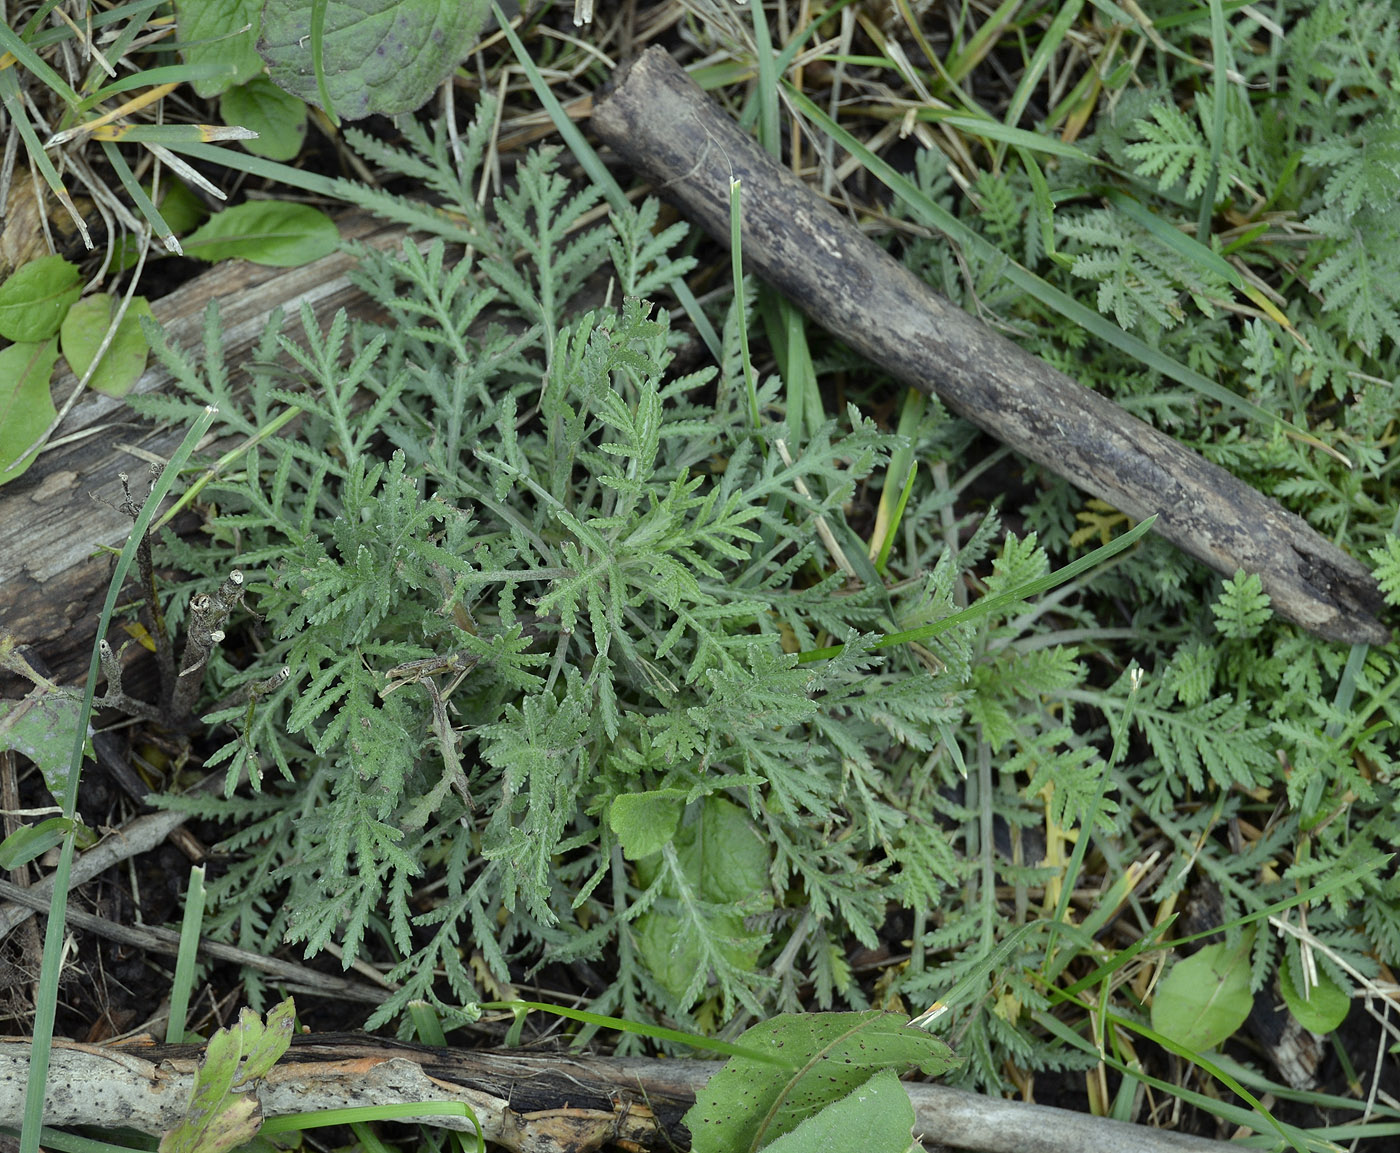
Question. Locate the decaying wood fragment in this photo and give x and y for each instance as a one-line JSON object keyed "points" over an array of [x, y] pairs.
{"points": [[52, 572], [665, 127], [526, 1102]]}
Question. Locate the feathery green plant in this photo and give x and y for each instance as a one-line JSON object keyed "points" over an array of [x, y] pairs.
{"points": [[539, 599]]}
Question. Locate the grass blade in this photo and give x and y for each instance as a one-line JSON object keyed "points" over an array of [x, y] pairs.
{"points": [[46, 1002]]}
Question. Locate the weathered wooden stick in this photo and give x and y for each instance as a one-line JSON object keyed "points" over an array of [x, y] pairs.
{"points": [[529, 1102], [665, 127]]}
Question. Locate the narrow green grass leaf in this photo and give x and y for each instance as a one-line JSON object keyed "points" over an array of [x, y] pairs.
{"points": [[19, 119], [265, 169], [1045, 52], [190, 928], [994, 604], [297, 1122], [46, 1001], [660, 1033], [138, 196], [1221, 59], [168, 74], [34, 64], [982, 42], [736, 257]]}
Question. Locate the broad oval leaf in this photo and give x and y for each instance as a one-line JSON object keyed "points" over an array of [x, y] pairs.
{"points": [[724, 861], [220, 32], [1323, 1009], [644, 822], [26, 404], [748, 1105], [1205, 997], [876, 1117], [270, 232], [82, 334], [34, 301], [278, 118], [42, 727], [378, 56]]}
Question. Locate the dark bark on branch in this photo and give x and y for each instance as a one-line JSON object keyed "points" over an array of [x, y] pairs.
{"points": [[527, 1102], [665, 127]]}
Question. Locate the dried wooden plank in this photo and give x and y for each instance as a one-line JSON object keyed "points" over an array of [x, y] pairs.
{"points": [[526, 1101], [661, 123], [52, 578]]}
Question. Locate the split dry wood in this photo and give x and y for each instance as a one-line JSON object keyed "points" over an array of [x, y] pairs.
{"points": [[525, 1102], [51, 528], [661, 123]]}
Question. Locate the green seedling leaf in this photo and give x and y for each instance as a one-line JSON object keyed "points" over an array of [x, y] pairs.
{"points": [[1205, 997], [278, 118], [26, 404], [1323, 1009], [30, 842], [268, 232], [221, 1114], [34, 301], [82, 333], [876, 1117], [644, 822], [747, 1106], [378, 56], [222, 32], [43, 727], [179, 207], [724, 861]]}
